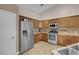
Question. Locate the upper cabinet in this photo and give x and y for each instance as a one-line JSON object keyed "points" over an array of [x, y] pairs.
{"points": [[63, 23], [44, 24], [69, 22], [40, 24], [53, 21], [36, 24], [32, 21], [76, 22]]}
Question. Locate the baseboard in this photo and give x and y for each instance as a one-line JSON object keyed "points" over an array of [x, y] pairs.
{"points": [[17, 53]]}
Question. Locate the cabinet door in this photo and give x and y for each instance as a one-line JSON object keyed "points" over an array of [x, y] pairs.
{"points": [[65, 39], [36, 38], [76, 39], [75, 21], [68, 40], [69, 22], [61, 23], [65, 23], [53, 21], [36, 23], [44, 37], [45, 23], [40, 24], [60, 40]]}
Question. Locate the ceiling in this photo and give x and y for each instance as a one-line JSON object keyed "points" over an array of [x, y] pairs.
{"points": [[37, 8]]}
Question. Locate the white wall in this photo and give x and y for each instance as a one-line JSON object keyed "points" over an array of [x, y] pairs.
{"points": [[60, 11], [28, 13]]}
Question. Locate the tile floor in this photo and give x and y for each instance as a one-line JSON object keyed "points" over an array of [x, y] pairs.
{"points": [[42, 48]]}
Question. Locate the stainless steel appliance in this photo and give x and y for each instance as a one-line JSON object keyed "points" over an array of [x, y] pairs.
{"points": [[52, 36], [53, 25], [26, 36]]}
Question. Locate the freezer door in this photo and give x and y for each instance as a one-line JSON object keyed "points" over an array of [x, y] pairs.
{"points": [[27, 38], [23, 37]]}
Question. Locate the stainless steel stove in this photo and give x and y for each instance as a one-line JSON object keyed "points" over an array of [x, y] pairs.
{"points": [[52, 36]]}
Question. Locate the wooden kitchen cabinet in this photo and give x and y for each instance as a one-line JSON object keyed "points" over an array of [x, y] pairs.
{"points": [[76, 22], [65, 40], [40, 24], [68, 40], [60, 40], [61, 23], [76, 39], [36, 38], [45, 24], [53, 21], [36, 24], [64, 23], [44, 37], [69, 22]]}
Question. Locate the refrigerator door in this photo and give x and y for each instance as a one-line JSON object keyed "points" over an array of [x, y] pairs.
{"points": [[26, 41], [23, 37], [30, 35]]}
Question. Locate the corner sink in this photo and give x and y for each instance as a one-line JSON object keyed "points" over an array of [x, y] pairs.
{"points": [[68, 51], [64, 51], [76, 47]]}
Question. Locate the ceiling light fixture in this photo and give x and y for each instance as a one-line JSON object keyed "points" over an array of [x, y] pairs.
{"points": [[42, 5]]}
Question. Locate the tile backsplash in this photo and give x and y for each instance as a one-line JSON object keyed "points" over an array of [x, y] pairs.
{"points": [[36, 30], [44, 30], [69, 29], [59, 29], [41, 30]]}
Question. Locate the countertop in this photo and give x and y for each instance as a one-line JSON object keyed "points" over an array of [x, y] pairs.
{"points": [[62, 33], [68, 33], [39, 32]]}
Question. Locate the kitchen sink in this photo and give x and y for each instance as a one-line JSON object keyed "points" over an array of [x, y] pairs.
{"points": [[76, 47], [68, 51]]}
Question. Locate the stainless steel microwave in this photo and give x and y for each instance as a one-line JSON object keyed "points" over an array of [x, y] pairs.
{"points": [[53, 25]]}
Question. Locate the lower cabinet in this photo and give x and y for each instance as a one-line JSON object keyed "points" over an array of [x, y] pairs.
{"points": [[65, 40], [36, 38], [40, 37], [76, 39], [44, 37]]}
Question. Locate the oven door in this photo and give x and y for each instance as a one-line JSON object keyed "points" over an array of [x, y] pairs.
{"points": [[52, 38]]}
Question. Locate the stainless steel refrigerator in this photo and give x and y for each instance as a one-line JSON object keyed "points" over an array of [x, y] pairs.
{"points": [[26, 36]]}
